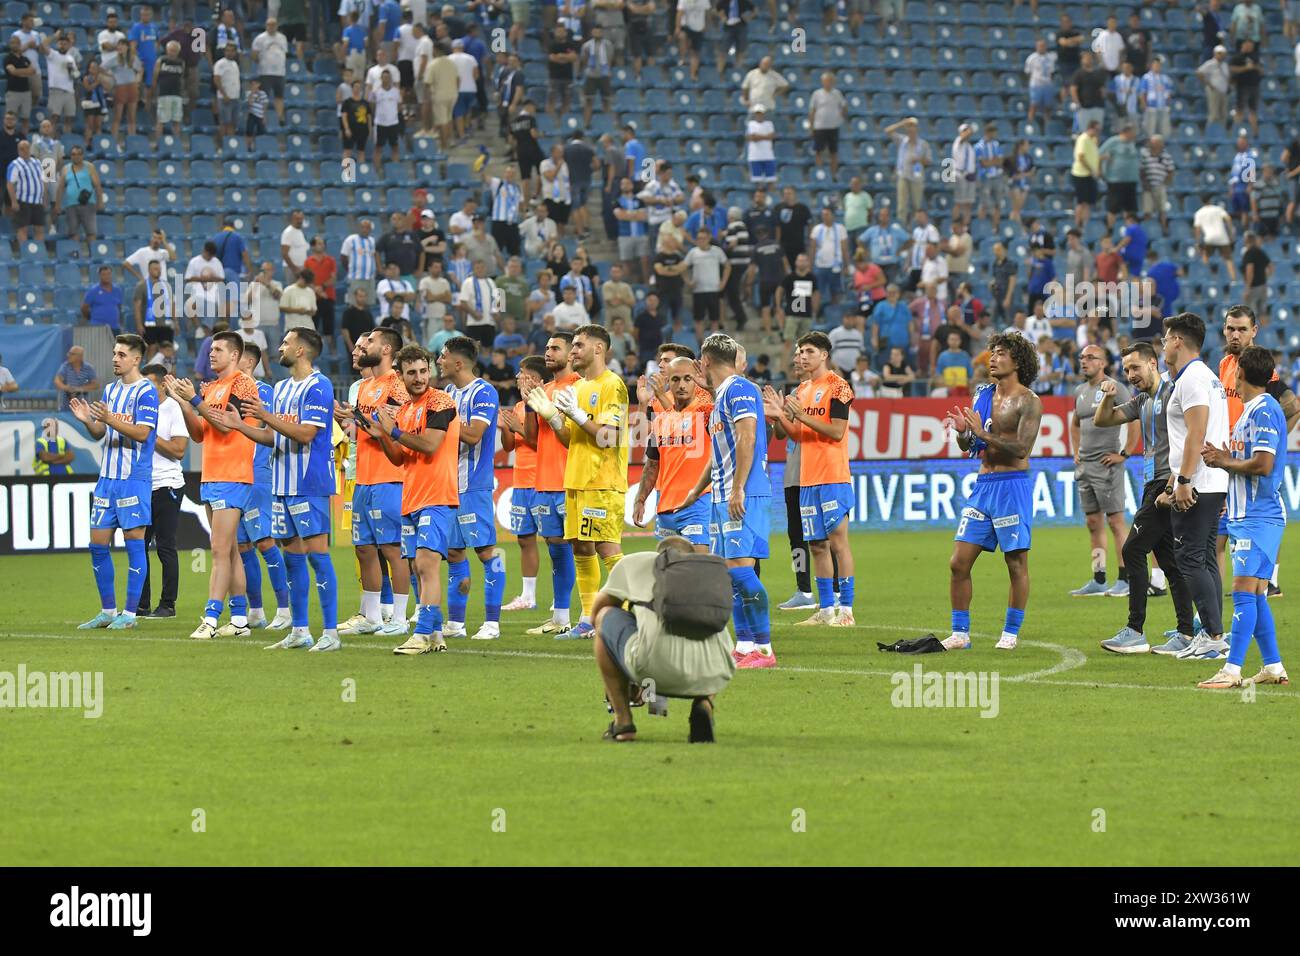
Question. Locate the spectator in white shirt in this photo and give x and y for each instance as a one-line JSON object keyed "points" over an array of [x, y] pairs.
{"points": [[478, 306], [934, 274], [1109, 45], [293, 245], [204, 284], [569, 313], [270, 50], [387, 100], [392, 288], [537, 232], [62, 63]]}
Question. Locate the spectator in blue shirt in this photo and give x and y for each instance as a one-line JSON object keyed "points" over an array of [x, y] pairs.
{"points": [[891, 324], [76, 378], [511, 342], [1133, 243], [232, 250], [710, 216], [102, 304], [634, 154], [954, 370], [1165, 275], [883, 241]]}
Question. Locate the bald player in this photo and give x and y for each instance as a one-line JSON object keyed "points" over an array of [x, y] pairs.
{"points": [[1239, 330], [677, 455]]}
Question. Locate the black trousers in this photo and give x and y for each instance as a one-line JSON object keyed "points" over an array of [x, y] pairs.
{"points": [[1152, 532], [507, 236], [735, 297], [166, 513], [1195, 531], [800, 553]]}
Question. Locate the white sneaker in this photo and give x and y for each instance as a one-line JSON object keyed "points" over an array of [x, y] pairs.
{"points": [[490, 631], [327, 644], [282, 621], [1006, 643], [844, 618], [233, 630], [520, 603], [347, 627], [256, 620], [290, 643], [394, 628], [956, 642], [387, 613], [362, 626], [453, 629], [204, 632]]}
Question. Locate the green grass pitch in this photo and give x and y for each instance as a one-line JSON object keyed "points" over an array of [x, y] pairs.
{"points": [[492, 754]]}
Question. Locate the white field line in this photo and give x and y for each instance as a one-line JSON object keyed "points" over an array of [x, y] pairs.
{"points": [[1071, 658]]}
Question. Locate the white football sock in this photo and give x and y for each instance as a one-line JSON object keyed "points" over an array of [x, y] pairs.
{"points": [[1273, 579], [1233, 669], [399, 605], [744, 647], [1158, 579], [560, 616], [370, 606], [1275, 668], [530, 590]]}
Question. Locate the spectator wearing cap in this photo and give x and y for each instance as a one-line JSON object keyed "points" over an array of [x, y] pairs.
{"points": [[760, 148], [909, 166], [964, 173], [1214, 77]]}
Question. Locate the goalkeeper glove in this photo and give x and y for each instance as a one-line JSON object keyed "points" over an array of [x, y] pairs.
{"points": [[542, 405], [566, 400]]}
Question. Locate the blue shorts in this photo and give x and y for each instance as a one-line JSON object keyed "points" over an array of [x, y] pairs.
{"points": [[762, 169], [1254, 546], [221, 495], [822, 508], [548, 513], [255, 524], [522, 519], [1043, 94], [463, 103], [122, 503], [475, 522], [1239, 200], [999, 512], [429, 528], [377, 513], [299, 516], [746, 538], [1223, 525], [692, 522]]}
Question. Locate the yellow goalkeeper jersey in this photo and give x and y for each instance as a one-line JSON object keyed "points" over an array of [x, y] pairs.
{"points": [[591, 467]]}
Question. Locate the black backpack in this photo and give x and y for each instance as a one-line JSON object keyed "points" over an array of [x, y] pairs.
{"points": [[692, 594]]}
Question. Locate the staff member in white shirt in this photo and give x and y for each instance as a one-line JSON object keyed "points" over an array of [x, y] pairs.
{"points": [[1197, 415], [168, 490]]}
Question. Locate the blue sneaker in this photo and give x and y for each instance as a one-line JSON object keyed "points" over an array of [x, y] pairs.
{"points": [[122, 622], [102, 619], [579, 632], [1090, 589], [798, 602], [1127, 641], [1118, 589], [1176, 644]]}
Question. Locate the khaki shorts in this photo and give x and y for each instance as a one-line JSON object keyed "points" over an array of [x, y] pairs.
{"points": [[442, 111], [593, 515], [20, 104], [63, 103], [171, 109]]}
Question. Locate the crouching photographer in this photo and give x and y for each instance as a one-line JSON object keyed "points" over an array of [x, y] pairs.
{"points": [[661, 620]]}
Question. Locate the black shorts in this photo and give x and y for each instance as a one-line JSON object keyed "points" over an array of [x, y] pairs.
{"points": [[29, 214], [254, 125], [559, 211], [706, 305], [359, 138], [826, 139], [1248, 98], [294, 32], [694, 39], [324, 317], [1085, 189], [767, 294], [1121, 197], [158, 334], [406, 74], [388, 135], [274, 86], [528, 164]]}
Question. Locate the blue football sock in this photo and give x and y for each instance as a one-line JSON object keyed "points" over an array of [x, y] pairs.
{"points": [[1015, 617], [825, 592], [457, 600], [494, 587], [238, 608], [430, 619], [212, 611], [960, 622], [1265, 631], [846, 592], [386, 588], [564, 575], [137, 563], [101, 562], [252, 578], [738, 616], [299, 587], [327, 589], [754, 596], [275, 571], [1245, 613]]}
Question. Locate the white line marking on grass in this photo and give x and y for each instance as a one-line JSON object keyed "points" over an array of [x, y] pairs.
{"points": [[1069, 660]]}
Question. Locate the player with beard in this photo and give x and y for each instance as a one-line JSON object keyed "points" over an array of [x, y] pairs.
{"points": [[1239, 329], [377, 497], [1000, 429]]}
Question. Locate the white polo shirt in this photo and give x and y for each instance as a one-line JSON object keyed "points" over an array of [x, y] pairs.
{"points": [[171, 423], [1197, 386]]}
